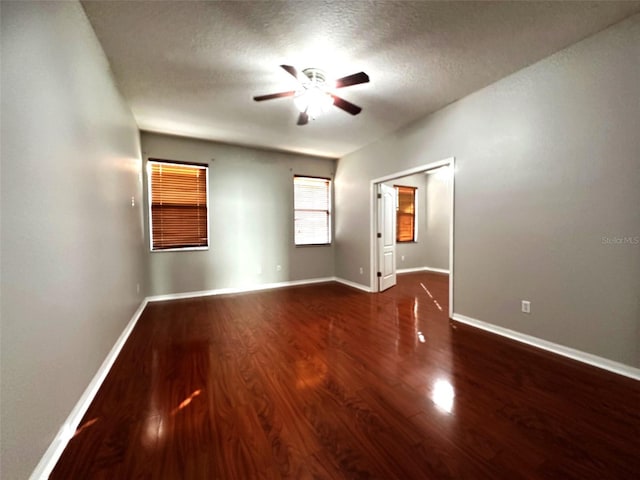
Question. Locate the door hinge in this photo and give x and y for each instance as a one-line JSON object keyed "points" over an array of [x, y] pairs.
{"points": [[379, 274], [379, 235], [379, 195]]}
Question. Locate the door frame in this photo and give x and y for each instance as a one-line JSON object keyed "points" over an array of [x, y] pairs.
{"points": [[373, 217]]}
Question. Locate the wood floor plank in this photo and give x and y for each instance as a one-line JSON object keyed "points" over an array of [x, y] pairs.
{"points": [[327, 382]]}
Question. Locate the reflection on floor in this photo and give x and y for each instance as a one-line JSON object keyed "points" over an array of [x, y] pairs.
{"points": [[325, 381]]}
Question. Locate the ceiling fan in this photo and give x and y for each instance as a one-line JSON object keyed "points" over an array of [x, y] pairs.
{"points": [[314, 95]]}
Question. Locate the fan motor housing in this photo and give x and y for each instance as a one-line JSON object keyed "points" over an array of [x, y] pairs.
{"points": [[316, 76]]}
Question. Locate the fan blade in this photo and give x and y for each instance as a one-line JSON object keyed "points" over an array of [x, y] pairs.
{"points": [[292, 71], [274, 95], [354, 79], [346, 106], [303, 118]]}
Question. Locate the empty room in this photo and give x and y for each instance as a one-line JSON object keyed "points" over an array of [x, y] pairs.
{"points": [[320, 239]]}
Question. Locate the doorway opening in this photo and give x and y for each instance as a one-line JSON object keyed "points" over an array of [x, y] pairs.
{"points": [[384, 229]]}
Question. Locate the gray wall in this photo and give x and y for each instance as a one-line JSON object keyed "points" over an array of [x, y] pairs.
{"points": [[71, 242], [251, 219], [436, 232], [547, 169]]}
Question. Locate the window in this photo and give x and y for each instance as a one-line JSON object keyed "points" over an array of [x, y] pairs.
{"points": [[178, 198], [406, 214], [312, 210]]}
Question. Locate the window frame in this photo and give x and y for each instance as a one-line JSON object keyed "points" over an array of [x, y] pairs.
{"points": [[329, 211], [414, 215], [178, 163]]}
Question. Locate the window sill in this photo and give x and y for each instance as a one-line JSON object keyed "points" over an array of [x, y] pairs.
{"points": [[180, 249]]}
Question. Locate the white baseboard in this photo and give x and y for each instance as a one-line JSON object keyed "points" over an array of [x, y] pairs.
{"points": [[436, 270], [226, 291], [66, 432], [580, 356], [422, 269], [400, 271], [359, 286]]}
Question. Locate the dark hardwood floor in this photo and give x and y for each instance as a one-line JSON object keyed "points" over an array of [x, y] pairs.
{"points": [[325, 381]]}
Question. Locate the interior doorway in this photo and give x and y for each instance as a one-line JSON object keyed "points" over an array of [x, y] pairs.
{"points": [[384, 258]]}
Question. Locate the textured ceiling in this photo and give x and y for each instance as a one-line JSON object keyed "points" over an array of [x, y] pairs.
{"points": [[192, 68]]}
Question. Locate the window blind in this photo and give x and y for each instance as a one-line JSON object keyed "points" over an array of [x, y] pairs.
{"points": [[178, 205], [406, 214], [312, 211]]}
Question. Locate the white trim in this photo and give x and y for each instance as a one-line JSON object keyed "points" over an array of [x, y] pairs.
{"points": [[149, 200], [349, 283], [416, 215], [230, 290], [452, 213], [422, 269], [410, 270], [411, 171], [179, 249], [437, 270], [580, 356], [68, 428]]}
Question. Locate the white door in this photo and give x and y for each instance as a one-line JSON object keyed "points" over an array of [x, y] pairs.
{"points": [[386, 237]]}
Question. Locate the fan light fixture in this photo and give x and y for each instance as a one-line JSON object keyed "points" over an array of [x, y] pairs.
{"points": [[313, 101], [315, 95], [312, 97]]}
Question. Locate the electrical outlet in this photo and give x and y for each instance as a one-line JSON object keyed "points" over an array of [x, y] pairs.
{"points": [[402, 258], [278, 268], [361, 271], [526, 306]]}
